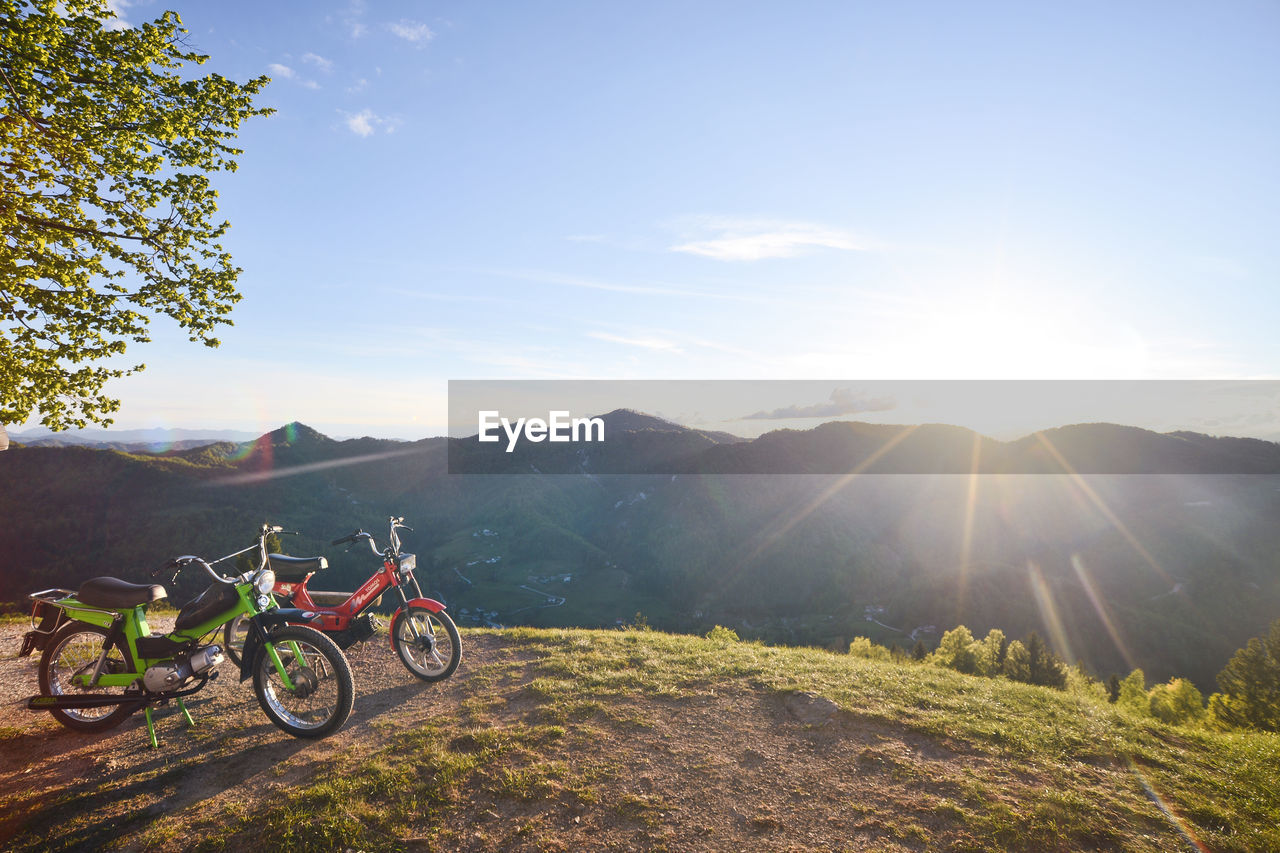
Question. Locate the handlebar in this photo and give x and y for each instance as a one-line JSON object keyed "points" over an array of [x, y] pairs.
{"points": [[180, 563], [359, 534], [348, 538]]}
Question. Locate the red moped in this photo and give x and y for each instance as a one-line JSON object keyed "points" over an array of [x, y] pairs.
{"points": [[422, 634]]}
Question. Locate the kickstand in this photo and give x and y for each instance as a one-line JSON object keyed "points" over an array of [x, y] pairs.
{"points": [[185, 712], [151, 728]]}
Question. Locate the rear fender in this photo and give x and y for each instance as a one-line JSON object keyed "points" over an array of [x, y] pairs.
{"points": [[261, 624], [425, 603]]}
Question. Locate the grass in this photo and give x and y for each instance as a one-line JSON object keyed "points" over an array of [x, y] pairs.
{"points": [[1219, 788], [946, 761]]}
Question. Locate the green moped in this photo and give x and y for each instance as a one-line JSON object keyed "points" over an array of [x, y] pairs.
{"points": [[100, 662]]}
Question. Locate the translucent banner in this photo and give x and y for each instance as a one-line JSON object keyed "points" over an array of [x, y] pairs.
{"points": [[864, 426]]}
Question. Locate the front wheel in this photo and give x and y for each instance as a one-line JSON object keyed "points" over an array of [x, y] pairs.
{"points": [[69, 660], [427, 643], [320, 692]]}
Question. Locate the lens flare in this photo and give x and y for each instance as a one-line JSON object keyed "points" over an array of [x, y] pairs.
{"points": [[266, 473], [1049, 611], [1101, 608], [780, 529], [1170, 815], [1102, 507], [966, 533]]}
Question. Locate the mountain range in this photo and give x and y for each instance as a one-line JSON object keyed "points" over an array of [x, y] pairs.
{"points": [[1169, 567]]}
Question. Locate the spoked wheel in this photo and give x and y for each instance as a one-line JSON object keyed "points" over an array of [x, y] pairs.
{"points": [[234, 633], [319, 698], [65, 667], [428, 643]]}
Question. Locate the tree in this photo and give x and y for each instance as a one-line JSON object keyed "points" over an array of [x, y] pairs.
{"points": [[108, 213], [1017, 663], [248, 561], [957, 650], [1113, 688], [1250, 684], [918, 651], [989, 653], [1046, 668], [1133, 693], [1177, 702]]}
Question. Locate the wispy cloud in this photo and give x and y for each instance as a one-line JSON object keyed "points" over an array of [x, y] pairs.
{"points": [[351, 19], [117, 9], [284, 72], [649, 343], [366, 123], [412, 31], [755, 240], [617, 287], [325, 65], [843, 401]]}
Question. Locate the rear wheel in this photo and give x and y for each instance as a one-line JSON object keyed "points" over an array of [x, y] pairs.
{"points": [[321, 694], [427, 643], [68, 662], [234, 634]]}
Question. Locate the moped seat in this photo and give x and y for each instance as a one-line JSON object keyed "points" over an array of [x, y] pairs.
{"points": [[113, 592], [293, 569]]}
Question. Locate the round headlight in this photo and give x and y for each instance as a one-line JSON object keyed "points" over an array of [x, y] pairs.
{"points": [[265, 580]]}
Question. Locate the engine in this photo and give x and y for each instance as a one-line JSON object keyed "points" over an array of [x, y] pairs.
{"points": [[167, 676]]}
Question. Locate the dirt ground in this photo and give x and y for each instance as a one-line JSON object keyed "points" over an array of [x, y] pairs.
{"points": [[715, 770]]}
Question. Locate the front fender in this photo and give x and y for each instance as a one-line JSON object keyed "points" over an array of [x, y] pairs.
{"points": [[429, 603], [425, 603], [260, 625]]}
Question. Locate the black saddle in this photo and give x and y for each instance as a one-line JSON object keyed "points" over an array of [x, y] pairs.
{"points": [[113, 592], [294, 569]]}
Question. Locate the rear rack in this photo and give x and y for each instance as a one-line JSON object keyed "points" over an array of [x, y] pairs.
{"points": [[56, 596], [52, 596], [47, 616]]}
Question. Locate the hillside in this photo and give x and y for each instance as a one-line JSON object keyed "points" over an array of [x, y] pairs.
{"points": [[573, 740], [1170, 573]]}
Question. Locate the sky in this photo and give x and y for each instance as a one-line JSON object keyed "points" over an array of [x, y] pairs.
{"points": [[728, 190]]}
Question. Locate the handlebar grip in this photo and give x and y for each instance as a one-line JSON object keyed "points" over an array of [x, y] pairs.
{"points": [[351, 537], [169, 566]]}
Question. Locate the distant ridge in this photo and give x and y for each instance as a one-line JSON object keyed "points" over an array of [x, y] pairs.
{"points": [[642, 444]]}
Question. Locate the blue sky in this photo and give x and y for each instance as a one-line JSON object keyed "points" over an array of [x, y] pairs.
{"points": [[729, 190]]}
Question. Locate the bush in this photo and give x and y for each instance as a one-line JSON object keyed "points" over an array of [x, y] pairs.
{"points": [[722, 634], [862, 647], [1178, 702]]}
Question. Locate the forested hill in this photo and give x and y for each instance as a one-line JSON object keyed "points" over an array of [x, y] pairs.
{"points": [[1171, 573]]}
